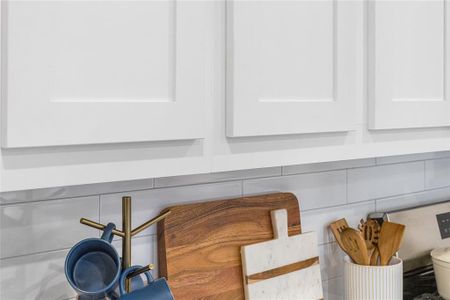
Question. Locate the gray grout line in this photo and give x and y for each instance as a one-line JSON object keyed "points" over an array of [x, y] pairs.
{"points": [[413, 193], [210, 182], [346, 186], [67, 248], [36, 253], [122, 192], [45, 200], [409, 161], [334, 277], [438, 158], [339, 169], [424, 174], [70, 197], [338, 205], [99, 212], [376, 199]]}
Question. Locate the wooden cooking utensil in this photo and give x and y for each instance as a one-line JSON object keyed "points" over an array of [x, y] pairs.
{"points": [[355, 246], [374, 257], [370, 231], [391, 235], [336, 228]]}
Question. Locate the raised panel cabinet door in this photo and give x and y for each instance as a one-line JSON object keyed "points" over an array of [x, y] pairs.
{"points": [[408, 62], [88, 72], [291, 67]]}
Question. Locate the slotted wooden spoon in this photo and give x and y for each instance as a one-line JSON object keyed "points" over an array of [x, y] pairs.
{"points": [[370, 231], [355, 246], [391, 235], [337, 227]]}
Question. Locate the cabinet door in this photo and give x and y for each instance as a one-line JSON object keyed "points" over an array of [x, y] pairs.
{"points": [[408, 64], [291, 67], [86, 72]]}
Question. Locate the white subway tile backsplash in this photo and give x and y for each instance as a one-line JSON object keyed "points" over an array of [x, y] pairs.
{"points": [[217, 177], [437, 173], [44, 226], [35, 277], [333, 289], [38, 227], [318, 220], [331, 261], [144, 251], [328, 166], [149, 203], [411, 200], [75, 191], [312, 190], [383, 181], [411, 157]]}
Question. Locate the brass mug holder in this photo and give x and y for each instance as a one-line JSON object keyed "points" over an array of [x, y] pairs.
{"points": [[126, 234]]}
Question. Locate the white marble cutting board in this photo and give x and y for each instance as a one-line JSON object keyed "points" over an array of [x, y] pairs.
{"points": [[285, 268]]}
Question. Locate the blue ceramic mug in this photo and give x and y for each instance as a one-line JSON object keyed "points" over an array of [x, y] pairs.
{"points": [[155, 290], [92, 266]]}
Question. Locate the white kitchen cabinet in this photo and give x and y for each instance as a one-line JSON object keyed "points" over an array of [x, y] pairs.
{"points": [[291, 67], [408, 64], [107, 91], [92, 72]]}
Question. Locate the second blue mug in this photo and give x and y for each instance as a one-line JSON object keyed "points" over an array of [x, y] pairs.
{"points": [[155, 290], [93, 268]]}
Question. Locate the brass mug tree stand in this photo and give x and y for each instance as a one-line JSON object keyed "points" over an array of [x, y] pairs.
{"points": [[126, 234]]}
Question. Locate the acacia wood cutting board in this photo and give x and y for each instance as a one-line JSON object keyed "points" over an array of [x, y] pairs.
{"points": [[199, 244]]}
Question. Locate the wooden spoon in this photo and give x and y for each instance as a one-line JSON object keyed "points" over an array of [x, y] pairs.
{"points": [[355, 246], [337, 227], [374, 257], [391, 235], [370, 231]]}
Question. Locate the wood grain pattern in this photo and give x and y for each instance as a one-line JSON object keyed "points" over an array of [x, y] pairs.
{"points": [[355, 246], [282, 270], [199, 244], [391, 236], [336, 228]]}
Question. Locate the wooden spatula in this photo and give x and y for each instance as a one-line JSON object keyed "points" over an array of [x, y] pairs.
{"points": [[355, 246], [391, 235], [337, 227]]}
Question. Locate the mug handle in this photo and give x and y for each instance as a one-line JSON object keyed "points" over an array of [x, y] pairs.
{"points": [[124, 275], [107, 234]]}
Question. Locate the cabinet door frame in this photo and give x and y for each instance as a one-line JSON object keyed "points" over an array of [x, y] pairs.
{"points": [[388, 107], [92, 119], [252, 114]]}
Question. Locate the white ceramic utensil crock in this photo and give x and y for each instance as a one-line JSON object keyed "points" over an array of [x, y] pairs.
{"points": [[373, 282], [441, 266]]}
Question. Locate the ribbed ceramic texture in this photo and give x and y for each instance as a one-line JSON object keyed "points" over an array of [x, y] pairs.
{"points": [[442, 274], [373, 282]]}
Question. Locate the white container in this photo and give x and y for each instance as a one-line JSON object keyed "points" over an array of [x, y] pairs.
{"points": [[373, 282], [441, 266]]}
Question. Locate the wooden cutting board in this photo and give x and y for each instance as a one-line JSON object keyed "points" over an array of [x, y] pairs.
{"points": [[285, 268], [199, 244]]}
